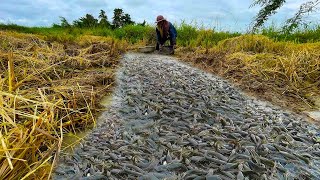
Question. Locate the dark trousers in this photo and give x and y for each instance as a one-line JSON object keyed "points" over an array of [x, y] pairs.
{"points": [[162, 41]]}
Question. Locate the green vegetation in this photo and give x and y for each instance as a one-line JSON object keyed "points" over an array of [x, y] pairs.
{"points": [[302, 35], [120, 19], [188, 35]]}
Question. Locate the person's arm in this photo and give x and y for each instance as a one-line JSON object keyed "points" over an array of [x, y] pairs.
{"points": [[173, 33], [158, 36], [159, 39]]}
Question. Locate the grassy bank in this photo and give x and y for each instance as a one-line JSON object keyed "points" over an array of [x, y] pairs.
{"points": [[48, 89]]}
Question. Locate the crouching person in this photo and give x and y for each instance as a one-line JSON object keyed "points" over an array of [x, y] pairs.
{"points": [[165, 31]]}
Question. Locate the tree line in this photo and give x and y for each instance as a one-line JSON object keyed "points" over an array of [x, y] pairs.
{"points": [[119, 19], [268, 8]]}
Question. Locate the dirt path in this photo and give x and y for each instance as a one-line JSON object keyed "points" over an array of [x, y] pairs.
{"points": [[169, 120]]}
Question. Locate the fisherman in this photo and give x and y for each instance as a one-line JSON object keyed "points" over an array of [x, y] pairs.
{"points": [[165, 31]]}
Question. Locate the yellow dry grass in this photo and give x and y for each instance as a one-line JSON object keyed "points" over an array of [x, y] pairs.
{"points": [[48, 89], [260, 65]]}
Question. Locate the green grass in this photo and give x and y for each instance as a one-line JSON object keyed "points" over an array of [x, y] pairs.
{"points": [[188, 35], [304, 35]]}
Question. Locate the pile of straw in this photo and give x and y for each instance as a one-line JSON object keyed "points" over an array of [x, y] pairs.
{"points": [[48, 89]]}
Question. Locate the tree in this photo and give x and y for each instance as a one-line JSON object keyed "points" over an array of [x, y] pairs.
{"points": [[143, 23], [297, 19], [64, 22], [54, 25], [270, 7], [117, 18], [126, 20], [87, 21], [120, 19], [103, 22]]}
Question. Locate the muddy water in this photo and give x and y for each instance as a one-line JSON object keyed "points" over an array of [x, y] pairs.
{"points": [[70, 140]]}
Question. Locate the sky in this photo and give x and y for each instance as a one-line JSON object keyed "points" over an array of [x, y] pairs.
{"points": [[231, 15]]}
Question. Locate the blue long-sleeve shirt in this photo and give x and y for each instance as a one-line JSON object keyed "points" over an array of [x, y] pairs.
{"points": [[172, 35]]}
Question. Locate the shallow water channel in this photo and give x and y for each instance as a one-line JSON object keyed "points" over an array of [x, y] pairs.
{"points": [[70, 140]]}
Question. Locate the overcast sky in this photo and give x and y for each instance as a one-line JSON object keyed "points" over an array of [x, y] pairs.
{"points": [[233, 15]]}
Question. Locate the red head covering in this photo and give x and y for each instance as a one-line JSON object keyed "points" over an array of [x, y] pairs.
{"points": [[159, 18], [163, 26]]}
